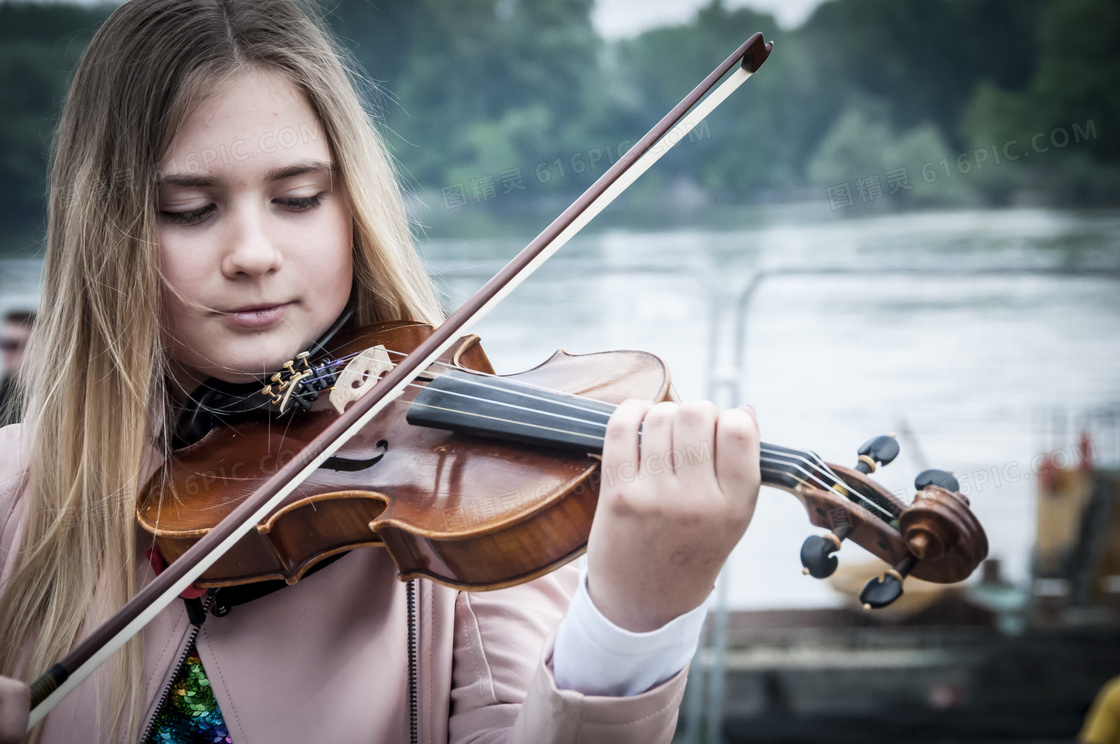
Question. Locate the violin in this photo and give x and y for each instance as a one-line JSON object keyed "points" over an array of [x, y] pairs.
{"points": [[480, 481]]}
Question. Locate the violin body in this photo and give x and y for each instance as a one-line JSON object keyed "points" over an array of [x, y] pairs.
{"points": [[469, 512]]}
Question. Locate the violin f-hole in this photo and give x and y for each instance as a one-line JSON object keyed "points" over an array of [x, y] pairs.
{"points": [[350, 465]]}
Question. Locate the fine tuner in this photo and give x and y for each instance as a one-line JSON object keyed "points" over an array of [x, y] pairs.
{"points": [[933, 523]]}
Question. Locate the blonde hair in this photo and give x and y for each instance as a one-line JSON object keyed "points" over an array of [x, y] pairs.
{"points": [[97, 364]]}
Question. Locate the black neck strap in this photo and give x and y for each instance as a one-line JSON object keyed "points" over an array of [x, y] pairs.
{"points": [[216, 402]]}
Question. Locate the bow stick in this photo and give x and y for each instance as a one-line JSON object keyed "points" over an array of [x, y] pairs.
{"points": [[64, 676]]}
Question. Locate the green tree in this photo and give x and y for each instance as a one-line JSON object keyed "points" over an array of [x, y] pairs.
{"points": [[39, 45], [1076, 90], [479, 70], [861, 146], [1079, 74], [924, 57]]}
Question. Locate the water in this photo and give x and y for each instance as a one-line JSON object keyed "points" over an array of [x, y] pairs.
{"points": [[977, 374], [971, 371]]}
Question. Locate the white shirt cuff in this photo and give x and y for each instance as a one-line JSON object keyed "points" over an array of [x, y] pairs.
{"points": [[594, 656]]}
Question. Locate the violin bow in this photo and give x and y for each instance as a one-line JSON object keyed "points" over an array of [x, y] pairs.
{"points": [[61, 678]]}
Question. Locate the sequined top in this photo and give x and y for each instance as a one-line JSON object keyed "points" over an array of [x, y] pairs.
{"points": [[190, 713]]}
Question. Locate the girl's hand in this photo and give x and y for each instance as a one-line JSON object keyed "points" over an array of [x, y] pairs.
{"points": [[15, 706], [670, 511]]}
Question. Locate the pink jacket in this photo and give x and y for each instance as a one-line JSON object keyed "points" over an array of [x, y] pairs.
{"points": [[327, 659]]}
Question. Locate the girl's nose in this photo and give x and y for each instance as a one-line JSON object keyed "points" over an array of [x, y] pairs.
{"points": [[251, 251]]}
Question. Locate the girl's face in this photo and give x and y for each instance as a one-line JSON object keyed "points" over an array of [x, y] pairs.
{"points": [[255, 236]]}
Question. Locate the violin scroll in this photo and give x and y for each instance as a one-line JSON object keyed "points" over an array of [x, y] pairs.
{"points": [[936, 538]]}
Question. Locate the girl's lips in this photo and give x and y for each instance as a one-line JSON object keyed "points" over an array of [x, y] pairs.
{"points": [[253, 318]]}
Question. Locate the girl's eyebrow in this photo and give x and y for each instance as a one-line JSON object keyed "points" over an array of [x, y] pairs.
{"points": [[188, 180], [299, 169]]}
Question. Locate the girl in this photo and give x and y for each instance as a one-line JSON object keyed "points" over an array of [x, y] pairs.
{"points": [[218, 200]]}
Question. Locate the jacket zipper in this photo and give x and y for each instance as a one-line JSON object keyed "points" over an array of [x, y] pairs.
{"points": [[413, 662], [184, 651]]}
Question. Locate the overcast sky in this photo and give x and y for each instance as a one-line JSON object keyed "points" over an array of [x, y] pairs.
{"points": [[621, 18]]}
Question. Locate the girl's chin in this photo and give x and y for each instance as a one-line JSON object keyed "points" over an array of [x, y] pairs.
{"points": [[241, 361]]}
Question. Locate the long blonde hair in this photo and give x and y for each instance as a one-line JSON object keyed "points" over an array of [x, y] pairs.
{"points": [[97, 363]]}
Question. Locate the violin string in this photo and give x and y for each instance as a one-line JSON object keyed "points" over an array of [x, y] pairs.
{"points": [[817, 471], [475, 378], [468, 380], [815, 468], [822, 468], [507, 384], [800, 463], [594, 438], [516, 407], [782, 468]]}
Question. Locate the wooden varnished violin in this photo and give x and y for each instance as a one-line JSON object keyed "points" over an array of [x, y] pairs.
{"points": [[481, 481]]}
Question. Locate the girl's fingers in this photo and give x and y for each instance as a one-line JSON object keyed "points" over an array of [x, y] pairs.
{"points": [[737, 447], [621, 440], [694, 446], [749, 409], [657, 440]]}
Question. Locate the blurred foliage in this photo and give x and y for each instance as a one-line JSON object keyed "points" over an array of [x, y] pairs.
{"points": [[862, 142], [1075, 93], [503, 102], [39, 47]]}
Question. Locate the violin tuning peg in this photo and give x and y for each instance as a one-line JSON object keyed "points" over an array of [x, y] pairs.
{"points": [[816, 556], [816, 553], [883, 590], [941, 478], [878, 451]]}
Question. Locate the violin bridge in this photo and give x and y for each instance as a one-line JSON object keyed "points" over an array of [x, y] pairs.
{"points": [[360, 375]]}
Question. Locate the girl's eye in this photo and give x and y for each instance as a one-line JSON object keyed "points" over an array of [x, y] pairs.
{"points": [[192, 217], [300, 203]]}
